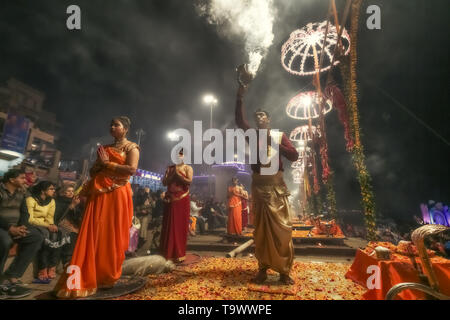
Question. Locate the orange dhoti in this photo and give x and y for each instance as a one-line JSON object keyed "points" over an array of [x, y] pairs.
{"points": [[273, 226]]}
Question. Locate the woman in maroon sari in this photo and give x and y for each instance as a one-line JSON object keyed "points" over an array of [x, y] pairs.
{"points": [[176, 211]]}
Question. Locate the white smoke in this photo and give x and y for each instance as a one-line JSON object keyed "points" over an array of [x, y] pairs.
{"points": [[250, 19]]}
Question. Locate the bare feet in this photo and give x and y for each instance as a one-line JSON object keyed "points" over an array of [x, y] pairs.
{"points": [[260, 277], [285, 279]]}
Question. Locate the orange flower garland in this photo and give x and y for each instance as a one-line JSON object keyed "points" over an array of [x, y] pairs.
{"points": [[348, 70]]}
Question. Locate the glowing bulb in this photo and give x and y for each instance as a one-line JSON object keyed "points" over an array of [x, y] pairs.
{"points": [[209, 99], [172, 136], [307, 101]]}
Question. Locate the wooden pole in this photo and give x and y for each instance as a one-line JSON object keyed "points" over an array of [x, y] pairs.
{"points": [[239, 249]]}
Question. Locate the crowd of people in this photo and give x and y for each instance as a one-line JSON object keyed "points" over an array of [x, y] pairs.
{"points": [[206, 216], [149, 209], [56, 226], [41, 222]]}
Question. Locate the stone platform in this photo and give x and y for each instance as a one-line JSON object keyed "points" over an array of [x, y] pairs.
{"points": [[219, 241]]}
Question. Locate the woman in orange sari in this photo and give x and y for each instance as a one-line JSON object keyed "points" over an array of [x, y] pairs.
{"points": [[104, 233], [234, 208]]}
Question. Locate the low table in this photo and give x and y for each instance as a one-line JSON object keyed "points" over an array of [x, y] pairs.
{"points": [[392, 272]]}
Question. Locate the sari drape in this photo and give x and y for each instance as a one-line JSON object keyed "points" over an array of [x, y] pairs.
{"points": [[175, 225], [234, 212], [104, 233]]}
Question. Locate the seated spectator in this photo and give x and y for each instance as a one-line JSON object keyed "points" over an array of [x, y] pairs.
{"points": [[192, 225], [68, 217], [215, 216], [39, 210], [154, 234], [207, 214], [31, 179], [199, 219], [13, 230], [143, 209]]}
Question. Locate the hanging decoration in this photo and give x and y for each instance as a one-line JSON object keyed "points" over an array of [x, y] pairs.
{"points": [[300, 56], [298, 53], [297, 175], [298, 164], [333, 93], [323, 150], [348, 70], [305, 106], [303, 134]]}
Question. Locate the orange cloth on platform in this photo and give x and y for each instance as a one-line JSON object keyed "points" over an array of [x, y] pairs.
{"points": [[193, 223], [234, 211], [104, 233], [395, 271], [335, 230]]}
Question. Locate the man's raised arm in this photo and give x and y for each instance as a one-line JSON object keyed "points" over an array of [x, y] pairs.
{"points": [[241, 122]]}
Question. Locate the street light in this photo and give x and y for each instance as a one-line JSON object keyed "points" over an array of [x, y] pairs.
{"points": [[210, 100], [172, 136], [139, 134]]}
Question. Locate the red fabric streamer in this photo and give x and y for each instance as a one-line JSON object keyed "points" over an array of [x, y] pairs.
{"points": [[323, 149], [333, 93], [324, 159]]}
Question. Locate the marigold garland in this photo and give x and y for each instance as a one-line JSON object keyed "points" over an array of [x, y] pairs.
{"points": [[348, 69], [331, 196]]}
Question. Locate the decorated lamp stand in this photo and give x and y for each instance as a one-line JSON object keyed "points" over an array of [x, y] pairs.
{"points": [[300, 56]]}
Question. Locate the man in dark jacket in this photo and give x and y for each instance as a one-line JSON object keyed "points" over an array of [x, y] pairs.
{"points": [[68, 217], [154, 234], [12, 229]]}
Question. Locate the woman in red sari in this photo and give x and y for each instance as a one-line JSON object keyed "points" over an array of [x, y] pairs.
{"points": [[234, 209], [176, 211], [104, 233]]}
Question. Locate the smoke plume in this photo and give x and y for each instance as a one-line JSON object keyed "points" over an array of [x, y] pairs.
{"points": [[251, 20]]}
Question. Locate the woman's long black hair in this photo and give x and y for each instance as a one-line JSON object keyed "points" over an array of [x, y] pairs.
{"points": [[38, 188]]}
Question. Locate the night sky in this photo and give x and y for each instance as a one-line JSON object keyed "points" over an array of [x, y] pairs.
{"points": [[154, 60]]}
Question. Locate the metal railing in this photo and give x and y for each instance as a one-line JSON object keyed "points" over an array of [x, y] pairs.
{"points": [[395, 290]]}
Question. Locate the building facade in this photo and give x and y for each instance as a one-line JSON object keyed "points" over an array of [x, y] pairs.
{"points": [[20, 103]]}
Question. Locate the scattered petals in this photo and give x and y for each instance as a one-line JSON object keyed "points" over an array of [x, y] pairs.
{"points": [[228, 279]]}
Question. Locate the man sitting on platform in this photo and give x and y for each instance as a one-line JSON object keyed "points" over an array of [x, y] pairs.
{"points": [[12, 230], [196, 217]]}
